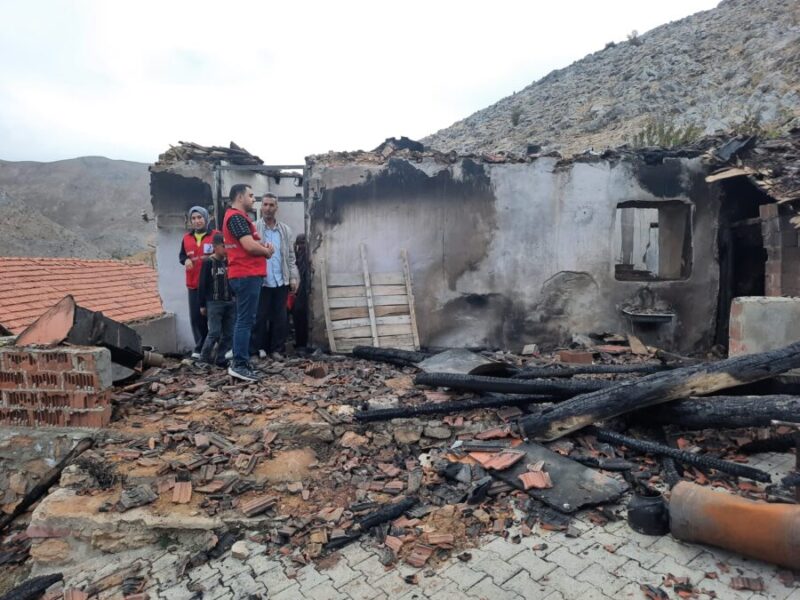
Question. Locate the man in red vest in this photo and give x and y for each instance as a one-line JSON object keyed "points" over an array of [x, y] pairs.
{"points": [[195, 248], [247, 268]]}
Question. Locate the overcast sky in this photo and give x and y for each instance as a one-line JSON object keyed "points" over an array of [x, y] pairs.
{"points": [[125, 78]]}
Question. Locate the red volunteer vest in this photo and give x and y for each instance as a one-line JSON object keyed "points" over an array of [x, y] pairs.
{"points": [[240, 262], [196, 252]]}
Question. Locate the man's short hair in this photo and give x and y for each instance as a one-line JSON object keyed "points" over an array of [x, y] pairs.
{"points": [[218, 239], [270, 195], [237, 190]]}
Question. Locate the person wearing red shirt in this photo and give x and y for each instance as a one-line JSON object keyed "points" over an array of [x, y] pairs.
{"points": [[246, 271], [197, 245]]}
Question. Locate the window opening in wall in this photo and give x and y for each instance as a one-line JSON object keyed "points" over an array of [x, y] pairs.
{"points": [[653, 241]]}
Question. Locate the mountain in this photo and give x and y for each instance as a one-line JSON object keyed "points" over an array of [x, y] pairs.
{"points": [[97, 199], [733, 68], [26, 232]]}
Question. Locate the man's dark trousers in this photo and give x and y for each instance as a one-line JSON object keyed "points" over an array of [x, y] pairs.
{"points": [[221, 318], [272, 320], [197, 320]]}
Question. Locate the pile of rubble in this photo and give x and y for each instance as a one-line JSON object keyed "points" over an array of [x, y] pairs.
{"points": [[185, 151], [323, 451]]}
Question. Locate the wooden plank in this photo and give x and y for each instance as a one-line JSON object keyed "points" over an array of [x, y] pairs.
{"points": [[396, 309], [388, 290], [343, 279], [370, 305], [383, 331], [348, 323], [364, 331], [403, 342], [348, 291], [360, 312], [348, 345], [325, 306], [362, 301], [386, 278], [410, 294], [349, 279]]}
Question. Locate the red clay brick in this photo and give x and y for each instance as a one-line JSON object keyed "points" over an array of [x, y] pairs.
{"points": [[576, 356], [53, 361], [45, 380], [81, 381], [13, 360], [11, 380]]}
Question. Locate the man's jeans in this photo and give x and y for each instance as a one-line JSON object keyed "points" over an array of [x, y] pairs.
{"points": [[221, 318], [246, 290]]}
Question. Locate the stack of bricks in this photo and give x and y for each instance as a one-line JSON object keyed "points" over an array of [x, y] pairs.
{"points": [[783, 254], [56, 387]]}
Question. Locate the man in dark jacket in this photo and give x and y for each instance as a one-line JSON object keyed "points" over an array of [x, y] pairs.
{"points": [[217, 305]]}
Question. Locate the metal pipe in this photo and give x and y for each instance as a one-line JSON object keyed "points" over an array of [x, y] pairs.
{"points": [[760, 530]]}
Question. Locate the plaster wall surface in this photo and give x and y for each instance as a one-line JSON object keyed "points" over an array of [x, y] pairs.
{"points": [[160, 333], [762, 323], [507, 254]]}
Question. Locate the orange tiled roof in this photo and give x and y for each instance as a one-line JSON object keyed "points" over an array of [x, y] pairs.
{"points": [[29, 286]]}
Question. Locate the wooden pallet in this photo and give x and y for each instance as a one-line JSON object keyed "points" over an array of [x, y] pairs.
{"points": [[370, 309]]}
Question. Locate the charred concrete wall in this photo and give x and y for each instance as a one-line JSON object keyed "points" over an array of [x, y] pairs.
{"points": [[507, 254]]}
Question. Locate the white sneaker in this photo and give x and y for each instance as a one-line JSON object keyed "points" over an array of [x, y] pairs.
{"points": [[229, 354], [262, 354], [195, 355]]}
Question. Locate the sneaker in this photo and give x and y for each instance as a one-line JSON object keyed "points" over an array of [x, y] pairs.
{"points": [[229, 355], [244, 373], [276, 356], [195, 355], [262, 354]]}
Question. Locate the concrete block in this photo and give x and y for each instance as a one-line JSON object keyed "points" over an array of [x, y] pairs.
{"points": [[761, 323]]}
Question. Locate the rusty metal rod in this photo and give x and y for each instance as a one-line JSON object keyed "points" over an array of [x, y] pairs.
{"points": [[707, 462]]}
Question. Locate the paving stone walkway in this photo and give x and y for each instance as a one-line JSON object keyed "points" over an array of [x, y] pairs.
{"points": [[602, 562]]}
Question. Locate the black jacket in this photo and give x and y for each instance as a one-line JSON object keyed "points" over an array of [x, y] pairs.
{"points": [[214, 281]]}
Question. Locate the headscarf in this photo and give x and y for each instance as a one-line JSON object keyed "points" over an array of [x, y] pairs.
{"points": [[202, 212]]}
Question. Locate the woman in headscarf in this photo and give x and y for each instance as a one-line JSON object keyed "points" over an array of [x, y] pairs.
{"points": [[197, 245]]}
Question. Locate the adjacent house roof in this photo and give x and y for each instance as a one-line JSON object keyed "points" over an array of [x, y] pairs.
{"points": [[29, 286]]}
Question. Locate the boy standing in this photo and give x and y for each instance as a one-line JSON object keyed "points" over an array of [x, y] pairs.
{"points": [[216, 304]]}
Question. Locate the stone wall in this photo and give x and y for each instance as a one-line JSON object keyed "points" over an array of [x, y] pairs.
{"points": [[59, 387]]}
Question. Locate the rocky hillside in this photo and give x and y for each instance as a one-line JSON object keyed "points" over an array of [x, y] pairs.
{"points": [[98, 200], [25, 232], [736, 67]]}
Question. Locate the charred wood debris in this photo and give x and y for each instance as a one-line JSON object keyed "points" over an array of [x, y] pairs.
{"points": [[327, 449]]}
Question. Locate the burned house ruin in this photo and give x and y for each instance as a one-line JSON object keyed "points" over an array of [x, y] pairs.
{"points": [[507, 250]]}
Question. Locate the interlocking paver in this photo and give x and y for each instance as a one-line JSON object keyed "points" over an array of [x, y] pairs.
{"points": [[463, 575], [525, 586], [569, 562], [669, 565], [500, 569], [359, 589], [326, 591], [290, 593], [486, 588], [309, 577], [533, 565], [503, 548], [275, 580], [341, 573], [599, 577]]}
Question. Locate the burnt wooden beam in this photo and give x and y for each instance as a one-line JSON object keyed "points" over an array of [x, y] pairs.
{"points": [[537, 372], [444, 408], [627, 396], [725, 412], [32, 589], [689, 458], [501, 385]]}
